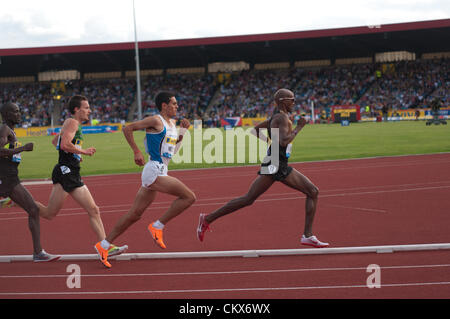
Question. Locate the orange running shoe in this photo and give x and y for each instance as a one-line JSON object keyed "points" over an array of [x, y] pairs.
{"points": [[103, 254], [157, 235]]}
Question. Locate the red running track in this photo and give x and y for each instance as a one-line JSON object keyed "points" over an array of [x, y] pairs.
{"points": [[365, 202]]}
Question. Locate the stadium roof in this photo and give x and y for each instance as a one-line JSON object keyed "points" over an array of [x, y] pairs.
{"points": [[365, 41]]}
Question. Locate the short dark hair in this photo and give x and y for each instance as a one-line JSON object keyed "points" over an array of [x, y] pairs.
{"points": [[75, 101], [163, 97], [5, 108]]}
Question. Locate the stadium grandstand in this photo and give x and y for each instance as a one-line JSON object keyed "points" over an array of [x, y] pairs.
{"points": [[395, 69]]}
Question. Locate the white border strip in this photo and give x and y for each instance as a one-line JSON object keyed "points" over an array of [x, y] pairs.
{"points": [[245, 253]]}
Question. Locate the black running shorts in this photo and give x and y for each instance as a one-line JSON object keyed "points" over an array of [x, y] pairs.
{"points": [[7, 184], [68, 176], [281, 174]]}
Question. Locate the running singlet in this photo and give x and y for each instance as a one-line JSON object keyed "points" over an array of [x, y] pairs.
{"points": [[9, 165], [161, 146], [66, 158], [284, 152]]}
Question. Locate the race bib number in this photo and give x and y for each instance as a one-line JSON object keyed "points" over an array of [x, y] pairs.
{"points": [[17, 158], [65, 170], [289, 150], [168, 147], [78, 144]]}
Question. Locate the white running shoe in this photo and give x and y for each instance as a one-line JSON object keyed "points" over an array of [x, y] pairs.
{"points": [[313, 241], [44, 256], [116, 250]]}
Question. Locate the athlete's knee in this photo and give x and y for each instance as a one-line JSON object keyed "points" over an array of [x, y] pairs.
{"points": [[134, 216], [46, 213], [248, 200], [94, 211], [313, 192], [190, 197], [33, 211]]}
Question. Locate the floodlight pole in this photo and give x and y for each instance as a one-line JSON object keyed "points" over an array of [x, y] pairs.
{"points": [[138, 71]]}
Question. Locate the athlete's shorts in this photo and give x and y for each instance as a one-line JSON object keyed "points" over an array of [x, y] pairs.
{"points": [[68, 177], [281, 174], [7, 184], [151, 171]]}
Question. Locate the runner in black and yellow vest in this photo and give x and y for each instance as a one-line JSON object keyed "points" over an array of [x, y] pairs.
{"points": [[275, 170], [10, 185], [66, 173]]}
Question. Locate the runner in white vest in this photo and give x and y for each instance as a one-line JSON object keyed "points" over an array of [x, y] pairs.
{"points": [[161, 147], [161, 139]]}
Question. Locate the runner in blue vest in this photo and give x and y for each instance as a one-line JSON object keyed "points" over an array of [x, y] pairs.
{"points": [[161, 142]]}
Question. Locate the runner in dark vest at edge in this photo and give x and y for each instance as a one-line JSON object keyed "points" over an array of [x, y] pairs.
{"points": [[10, 185]]}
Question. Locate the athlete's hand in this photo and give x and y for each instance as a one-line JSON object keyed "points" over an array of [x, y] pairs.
{"points": [[90, 151], [139, 159], [301, 123], [185, 123], [28, 147]]}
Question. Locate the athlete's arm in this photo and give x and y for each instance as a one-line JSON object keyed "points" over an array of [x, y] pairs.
{"points": [[184, 125], [151, 123], [55, 140], [67, 134], [256, 130], [4, 134], [286, 136]]}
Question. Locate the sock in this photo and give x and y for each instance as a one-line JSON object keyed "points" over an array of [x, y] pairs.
{"points": [[158, 225], [105, 244]]}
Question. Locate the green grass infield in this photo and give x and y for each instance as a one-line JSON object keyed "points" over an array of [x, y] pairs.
{"points": [[315, 142]]}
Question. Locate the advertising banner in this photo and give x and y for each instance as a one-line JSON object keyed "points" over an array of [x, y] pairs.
{"points": [[231, 121], [351, 113]]}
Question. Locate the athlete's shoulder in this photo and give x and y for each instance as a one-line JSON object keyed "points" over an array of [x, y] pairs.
{"points": [[279, 119], [71, 122], [5, 130], [153, 122]]}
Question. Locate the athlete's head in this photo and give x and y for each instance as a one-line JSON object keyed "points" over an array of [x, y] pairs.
{"points": [[10, 113], [79, 105], [75, 101], [167, 103], [285, 99]]}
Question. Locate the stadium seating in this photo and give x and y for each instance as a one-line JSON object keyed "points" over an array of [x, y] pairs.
{"points": [[398, 85]]}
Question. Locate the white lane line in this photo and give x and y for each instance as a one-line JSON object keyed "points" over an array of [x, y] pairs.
{"points": [[123, 292], [236, 272], [356, 208]]}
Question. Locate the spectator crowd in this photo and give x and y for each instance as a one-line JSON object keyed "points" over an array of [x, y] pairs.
{"points": [[374, 86]]}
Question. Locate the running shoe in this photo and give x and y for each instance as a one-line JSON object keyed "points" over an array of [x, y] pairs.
{"points": [[157, 235], [202, 227], [115, 251], [313, 241], [44, 256], [6, 202], [103, 254]]}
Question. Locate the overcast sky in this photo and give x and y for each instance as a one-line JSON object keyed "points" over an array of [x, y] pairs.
{"points": [[36, 23]]}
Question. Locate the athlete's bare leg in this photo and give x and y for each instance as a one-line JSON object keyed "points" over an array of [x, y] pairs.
{"points": [[173, 186], [298, 181], [261, 184], [143, 199], [84, 198], [55, 203], [23, 198]]}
